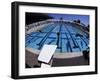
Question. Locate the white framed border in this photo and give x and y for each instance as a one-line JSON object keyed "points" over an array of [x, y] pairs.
{"points": [[54, 70]]}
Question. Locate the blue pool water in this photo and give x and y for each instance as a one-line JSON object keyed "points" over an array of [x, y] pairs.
{"points": [[66, 36]]}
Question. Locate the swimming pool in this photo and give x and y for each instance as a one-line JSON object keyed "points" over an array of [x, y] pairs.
{"points": [[67, 36]]}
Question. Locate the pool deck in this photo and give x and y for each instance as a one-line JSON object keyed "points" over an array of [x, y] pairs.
{"points": [[31, 60]]}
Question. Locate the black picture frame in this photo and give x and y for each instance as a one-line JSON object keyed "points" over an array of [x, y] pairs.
{"points": [[15, 39]]}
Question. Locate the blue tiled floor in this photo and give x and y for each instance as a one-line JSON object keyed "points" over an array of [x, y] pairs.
{"points": [[61, 34]]}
